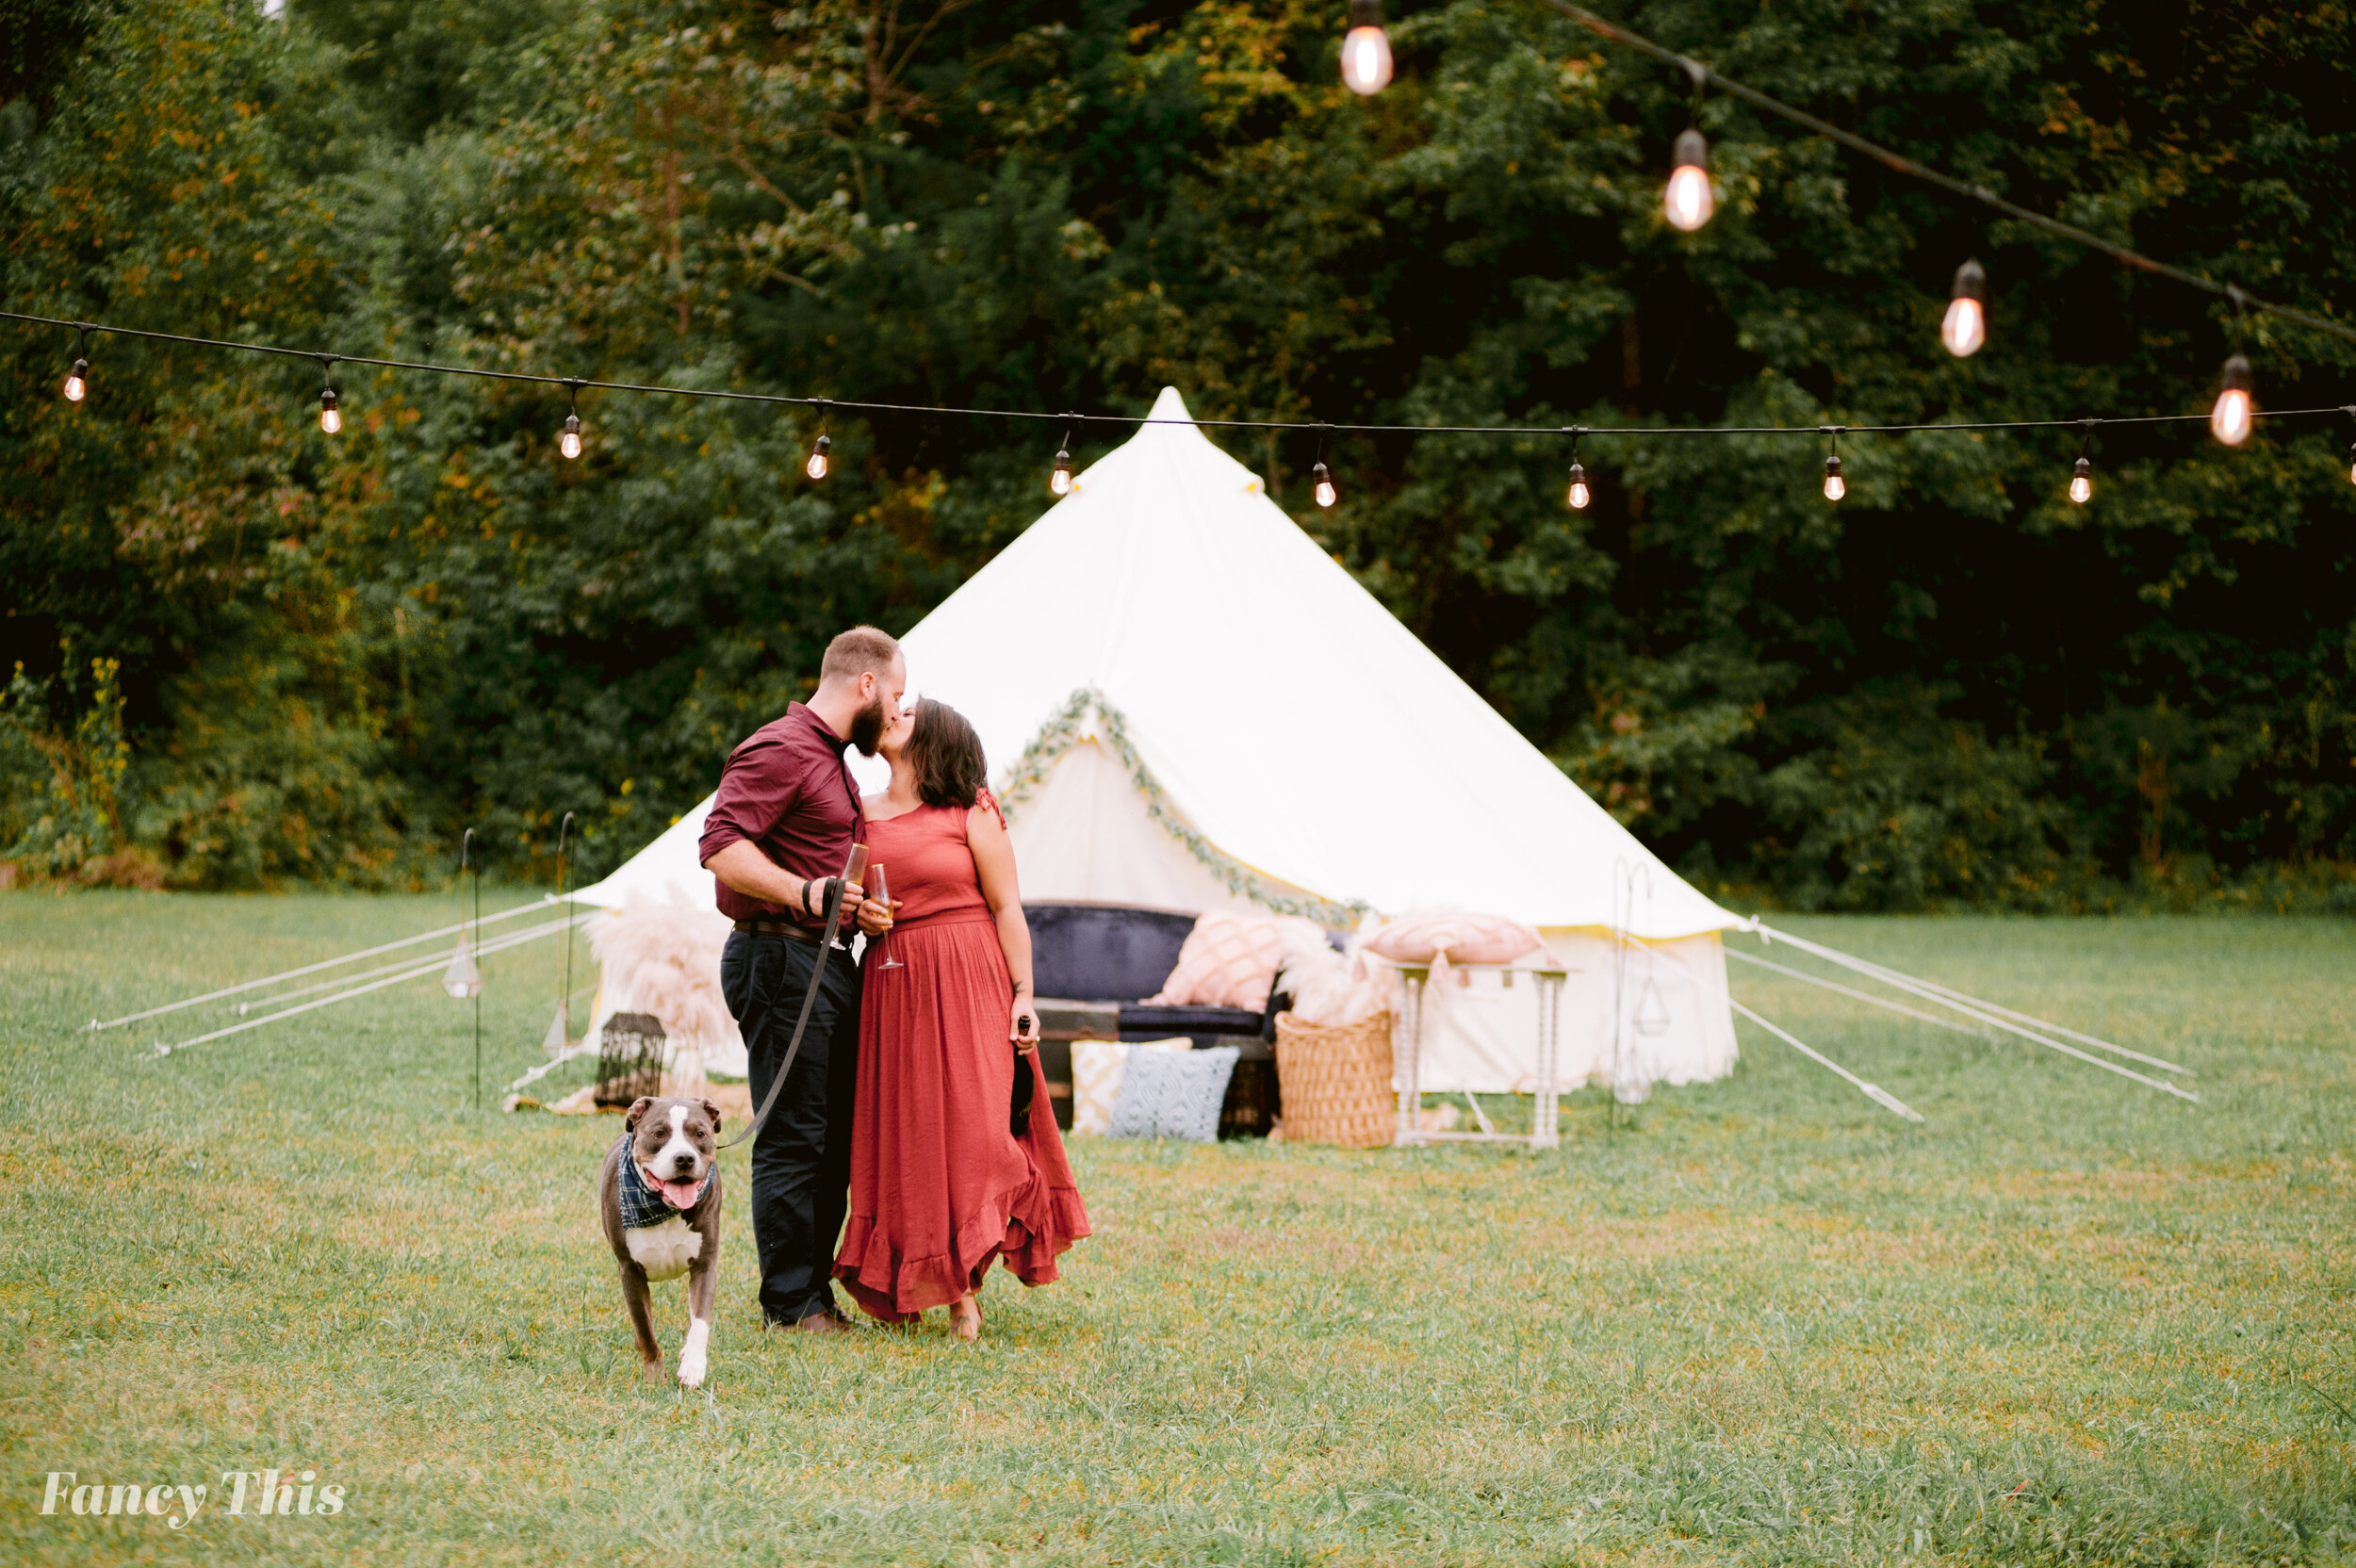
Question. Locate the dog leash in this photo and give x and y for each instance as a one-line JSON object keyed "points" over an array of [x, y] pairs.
{"points": [[853, 870]]}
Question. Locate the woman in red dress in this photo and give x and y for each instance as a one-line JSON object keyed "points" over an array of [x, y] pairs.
{"points": [[940, 1184]]}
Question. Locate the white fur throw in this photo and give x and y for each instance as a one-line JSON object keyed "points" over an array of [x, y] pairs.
{"points": [[665, 958], [1330, 988]]}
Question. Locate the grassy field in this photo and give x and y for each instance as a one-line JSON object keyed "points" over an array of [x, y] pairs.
{"points": [[2067, 1320]]}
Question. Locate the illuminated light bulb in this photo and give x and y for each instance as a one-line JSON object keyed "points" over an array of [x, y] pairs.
{"points": [[1059, 480], [2082, 483], [1365, 50], [331, 417], [77, 382], [1687, 201], [1835, 486], [570, 443], [2229, 420], [1966, 326], [1324, 490], [816, 466], [2351, 463], [1579, 495]]}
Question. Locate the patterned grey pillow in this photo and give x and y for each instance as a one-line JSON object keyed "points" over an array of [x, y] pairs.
{"points": [[1174, 1094]]}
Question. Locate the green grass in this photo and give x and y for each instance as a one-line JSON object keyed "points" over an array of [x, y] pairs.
{"points": [[2067, 1320]]}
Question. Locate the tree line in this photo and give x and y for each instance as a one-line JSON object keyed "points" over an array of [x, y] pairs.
{"points": [[253, 654]]}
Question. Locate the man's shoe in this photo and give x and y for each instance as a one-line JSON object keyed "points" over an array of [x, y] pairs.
{"points": [[826, 1320]]}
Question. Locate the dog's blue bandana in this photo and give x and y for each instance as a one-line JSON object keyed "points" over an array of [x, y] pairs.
{"points": [[643, 1205]]}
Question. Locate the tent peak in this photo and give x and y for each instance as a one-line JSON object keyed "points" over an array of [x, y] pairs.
{"points": [[1170, 405]]}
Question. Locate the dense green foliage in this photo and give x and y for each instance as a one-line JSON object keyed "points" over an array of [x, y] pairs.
{"points": [[1954, 687]]}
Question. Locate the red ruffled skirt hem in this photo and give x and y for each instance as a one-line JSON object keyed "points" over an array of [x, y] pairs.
{"points": [[940, 1188], [1026, 1231]]}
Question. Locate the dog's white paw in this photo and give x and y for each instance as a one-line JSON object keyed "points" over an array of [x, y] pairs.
{"points": [[691, 1353], [691, 1370]]}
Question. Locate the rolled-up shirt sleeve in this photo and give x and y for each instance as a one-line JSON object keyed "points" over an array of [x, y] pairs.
{"points": [[786, 792], [757, 789]]}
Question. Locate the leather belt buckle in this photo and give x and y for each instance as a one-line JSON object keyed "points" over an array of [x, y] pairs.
{"points": [[790, 932]]}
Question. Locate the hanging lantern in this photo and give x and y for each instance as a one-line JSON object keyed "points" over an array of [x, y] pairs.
{"points": [[462, 981]]}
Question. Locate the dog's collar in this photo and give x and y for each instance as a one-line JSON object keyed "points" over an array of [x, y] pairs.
{"points": [[644, 1206]]}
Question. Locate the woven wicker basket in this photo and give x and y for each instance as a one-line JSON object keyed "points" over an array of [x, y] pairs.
{"points": [[1335, 1082]]}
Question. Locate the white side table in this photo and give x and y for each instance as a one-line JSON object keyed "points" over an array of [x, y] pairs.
{"points": [[1407, 1053]]}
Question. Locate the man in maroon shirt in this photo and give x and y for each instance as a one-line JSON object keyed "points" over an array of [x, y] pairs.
{"points": [[782, 821]]}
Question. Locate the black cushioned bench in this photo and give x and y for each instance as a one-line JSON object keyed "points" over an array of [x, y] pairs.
{"points": [[1118, 952]]}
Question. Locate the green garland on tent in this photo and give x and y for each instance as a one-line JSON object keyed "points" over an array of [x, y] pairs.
{"points": [[1063, 730]]}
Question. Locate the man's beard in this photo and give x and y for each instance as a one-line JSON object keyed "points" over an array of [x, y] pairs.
{"points": [[867, 726]]}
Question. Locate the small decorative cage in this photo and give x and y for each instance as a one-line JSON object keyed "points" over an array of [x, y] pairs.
{"points": [[629, 1058]]}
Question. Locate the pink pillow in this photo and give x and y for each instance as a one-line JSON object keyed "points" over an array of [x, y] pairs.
{"points": [[1229, 961], [1417, 938]]}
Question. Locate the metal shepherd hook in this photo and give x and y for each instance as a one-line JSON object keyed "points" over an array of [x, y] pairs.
{"points": [[465, 855]]}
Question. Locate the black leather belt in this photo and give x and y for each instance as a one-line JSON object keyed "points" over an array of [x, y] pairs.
{"points": [[787, 930]]}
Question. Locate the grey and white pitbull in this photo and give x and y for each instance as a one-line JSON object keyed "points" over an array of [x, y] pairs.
{"points": [[659, 1198]]}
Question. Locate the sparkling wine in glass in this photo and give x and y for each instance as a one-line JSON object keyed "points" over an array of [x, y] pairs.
{"points": [[882, 894]]}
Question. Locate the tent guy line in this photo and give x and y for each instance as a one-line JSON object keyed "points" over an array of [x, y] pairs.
{"points": [[499, 944], [577, 384], [1892, 977], [1851, 991], [1874, 1092], [2043, 1023], [441, 956], [1948, 996], [314, 968]]}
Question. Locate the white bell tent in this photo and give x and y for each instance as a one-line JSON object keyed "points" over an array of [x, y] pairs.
{"points": [[1187, 703], [1189, 706]]}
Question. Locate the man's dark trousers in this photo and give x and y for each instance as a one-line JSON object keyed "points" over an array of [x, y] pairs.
{"points": [[802, 1160]]}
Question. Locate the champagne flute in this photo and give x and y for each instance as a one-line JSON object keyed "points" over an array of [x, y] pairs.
{"points": [[882, 894]]}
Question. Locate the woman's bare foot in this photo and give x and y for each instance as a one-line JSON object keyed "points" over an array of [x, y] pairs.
{"points": [[965, 1317]]}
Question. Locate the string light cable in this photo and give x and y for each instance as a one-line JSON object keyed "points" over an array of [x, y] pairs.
{"points": [[2230, 420], [1701, 74], [2238, 412]]}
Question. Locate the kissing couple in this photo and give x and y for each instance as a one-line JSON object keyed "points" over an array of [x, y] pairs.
{"points": [[916, 1106]]}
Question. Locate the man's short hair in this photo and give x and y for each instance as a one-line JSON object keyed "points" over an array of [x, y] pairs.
{"points": [[859, 651]]}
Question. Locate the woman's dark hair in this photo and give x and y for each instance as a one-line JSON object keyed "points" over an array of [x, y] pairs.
{"points": [[947, 756]]}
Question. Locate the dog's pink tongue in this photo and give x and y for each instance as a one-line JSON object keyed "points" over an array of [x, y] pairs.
{"points": [[681, 1195]]}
